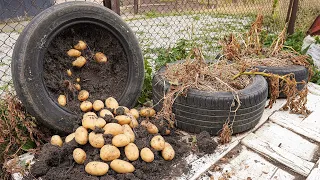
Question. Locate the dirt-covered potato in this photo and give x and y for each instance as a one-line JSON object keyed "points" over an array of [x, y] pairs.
{"points": [[96, 140], [128, 132], [97, 168], [62, 100], [56, 140], [157, 143], [120, 140], [77, 86], [86, 106], [134, 112], [111, 103], [88, 122], [79, 155], [81, 135], [74, 53], [100, 57], [168, 152], [147, 112], [109, 152], [83, 95], [121, 166], [146, 155], [151, 128], [79, 62], [69, 72], [98, 105], [69, 137], [113, 128], [90, 115], [121, 110], [123, 119], [131, 151], [105, 112], [80, 46], [134, 123]]}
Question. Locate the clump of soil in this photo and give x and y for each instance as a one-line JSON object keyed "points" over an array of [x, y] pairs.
{"points": [[100, 80], [205, 143]]}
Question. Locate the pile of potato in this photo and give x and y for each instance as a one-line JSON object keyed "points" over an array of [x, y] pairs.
{"points": [[122, 132]]}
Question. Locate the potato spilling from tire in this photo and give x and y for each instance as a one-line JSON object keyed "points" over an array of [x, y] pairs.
{"points": [[121, 166], [79, 155], [109, 152], [97, 168], [157, 143], [147, 155], [56, 140]]}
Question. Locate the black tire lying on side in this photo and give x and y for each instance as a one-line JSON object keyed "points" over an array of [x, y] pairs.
{"points": [[208, 111], [28, 54], [300, 74]]}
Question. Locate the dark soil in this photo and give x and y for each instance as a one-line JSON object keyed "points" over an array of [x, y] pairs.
{"points": [[100, 80], [205, 143]]}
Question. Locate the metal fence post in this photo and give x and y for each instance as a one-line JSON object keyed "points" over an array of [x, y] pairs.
{"points": [[293, 16]]}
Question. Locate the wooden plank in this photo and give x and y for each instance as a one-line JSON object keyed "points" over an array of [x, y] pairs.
{"points": [[315, 173], [313, 102], [288, 159], [287, 140], [314, 89], [282, 175]]}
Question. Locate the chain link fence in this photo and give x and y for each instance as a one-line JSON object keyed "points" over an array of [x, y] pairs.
{"points": [[160, 24]]}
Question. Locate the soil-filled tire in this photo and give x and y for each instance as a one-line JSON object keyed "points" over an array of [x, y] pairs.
{"points": [[208, 111], [300, 74], [27, 62]]}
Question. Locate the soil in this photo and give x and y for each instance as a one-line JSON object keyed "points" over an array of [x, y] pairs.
{"points": [[100, 80]]}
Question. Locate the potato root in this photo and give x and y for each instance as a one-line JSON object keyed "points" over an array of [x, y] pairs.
{"points": [[120, 140], [56, 140], [86, 106], [111, 103], [123, 119], [97, 168], [70, 137], [81, 135], [83, 95], [98, 105], [100, 57], [79, 155], [128, 132], [62, 100], [121, 166], [113, 129], [157, 143], [146, 155], [80, 46], [168, 152], [79, 62], [131, 151], [74, 53], [147, 112], [109, 153], [96, 140]]}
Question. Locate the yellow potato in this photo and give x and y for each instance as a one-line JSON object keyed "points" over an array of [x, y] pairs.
{"points": [[79, 62], [135, 113], [69, 72], [81, 135], [121, 110], [70, 137], [88, 123], [80, 46], [78, 79], [100, 123], [62, 100], [134, 123], [100, 57], [131, 151], [120, 140], [121, 166], [151, 128], [105, 112], [128, 132], [111, 103], [113, 128], [157, 143], [109, 152], [86, 106], [77, 86], [98, 105], [79, 155], [123, 119], [90, 115], [74, 53], [147, 155], [96, 140], [168, 152], [83, 95], [97, 168], [56, 140], [147, 112]]}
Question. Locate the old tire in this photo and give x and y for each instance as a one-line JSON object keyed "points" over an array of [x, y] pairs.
{"points": [[27, 63], [208, 111], [300, 73]]}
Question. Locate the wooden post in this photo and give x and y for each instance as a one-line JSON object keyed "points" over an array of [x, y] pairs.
{"points": [[135, 6], [289, 11], [114, 5], [293, 16]]}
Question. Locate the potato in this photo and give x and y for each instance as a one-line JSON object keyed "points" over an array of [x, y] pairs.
{"points": [[121, 166], [135, 113], [98, 105], [168, 152], [134, 123], [113, 128], [77, 86], [120, 140], [81, 135], [121, 110], [131, 151], [88, 122], [109, 152], [105, 112], [147, 112], [79, 155], [56, 140], [79, 62], [90, 115], [123, 119], [157, 143], [128, 132], [80, 46], [97, 168], [83, 95], [100, 57], [74, 53], [111, 103], [78, 79], [96, 140], [86, 106], [62, 100], [70, 137], [69, 72], [151, 128], [100, 123], [147, 155]]}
